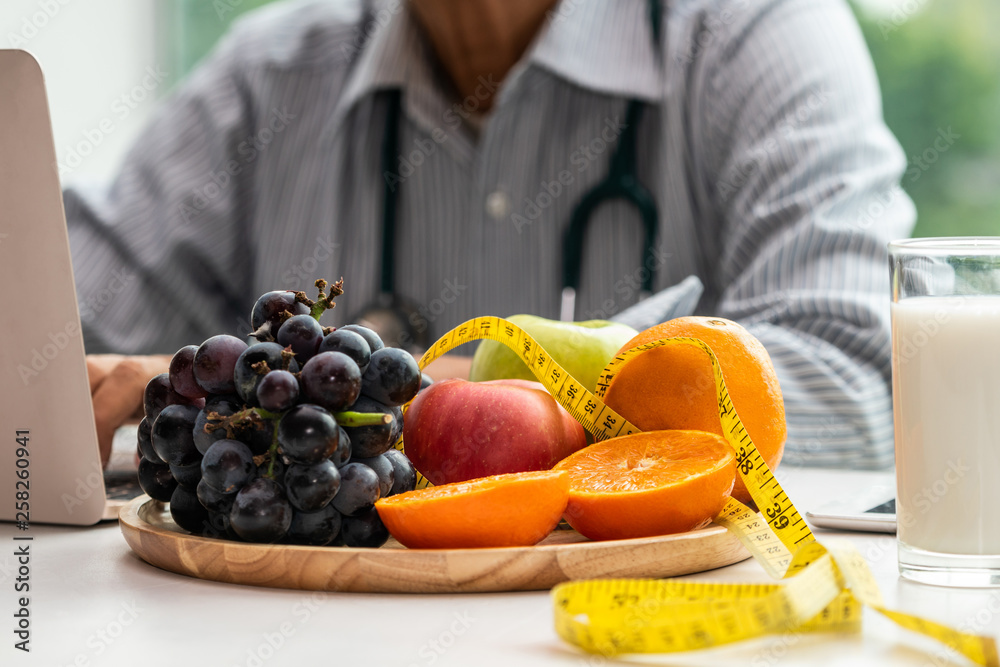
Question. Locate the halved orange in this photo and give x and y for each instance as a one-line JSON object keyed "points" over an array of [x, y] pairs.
{"points": [[650, 483], [512, 510]]}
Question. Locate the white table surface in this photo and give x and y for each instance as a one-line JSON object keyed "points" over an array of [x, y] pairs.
{"points": [[95, 603]]}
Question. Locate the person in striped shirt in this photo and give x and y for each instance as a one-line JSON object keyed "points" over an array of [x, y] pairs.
{"points": [[761, 141]]}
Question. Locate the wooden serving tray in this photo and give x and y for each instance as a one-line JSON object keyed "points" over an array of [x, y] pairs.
{"points": [[564, 555]]}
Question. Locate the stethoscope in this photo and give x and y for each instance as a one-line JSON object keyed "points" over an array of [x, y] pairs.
{"points": [[400, 322]]}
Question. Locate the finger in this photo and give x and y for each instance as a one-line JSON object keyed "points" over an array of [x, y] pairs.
{"points": [[119, 396], [99, 366]]}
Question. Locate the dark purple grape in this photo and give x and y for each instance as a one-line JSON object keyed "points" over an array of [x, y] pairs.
{"points": [[425, 381], [258, 437], [277, 471], [247, 377], [219, 526], [350, 343], [228, 466], [331, 380], [182, 373], [303, 334], [365, 530], [311, 488], [369, 441], [315, 528], [214, 363], [224, 406], [172, 435], [156, 480], [267, 314], [278, 391], [405, 475], [255, 435], [187, 476], [374, 342], [214, 500], [359, 489], [145, 440], [397, 413], [187, 511], [385, 470], [158, 394], [261, 512], [308, 434], [393, 377], [342, 456]]}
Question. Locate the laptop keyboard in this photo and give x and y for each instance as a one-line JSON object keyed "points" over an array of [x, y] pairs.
{"points": [[122, 484]]}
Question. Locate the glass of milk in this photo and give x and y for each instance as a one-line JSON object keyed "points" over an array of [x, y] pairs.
{"points": [[946, 400]]}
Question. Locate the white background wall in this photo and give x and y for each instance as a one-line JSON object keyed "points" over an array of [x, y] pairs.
{"points": [[97, 56]]}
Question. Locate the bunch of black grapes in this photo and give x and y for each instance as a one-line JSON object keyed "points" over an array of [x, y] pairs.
{"points": [[287, 439]]}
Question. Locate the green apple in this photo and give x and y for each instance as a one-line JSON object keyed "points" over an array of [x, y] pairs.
{"points": [[582, 348]]}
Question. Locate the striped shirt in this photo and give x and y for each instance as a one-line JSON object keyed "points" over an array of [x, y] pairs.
{"points": [[775, 178]]}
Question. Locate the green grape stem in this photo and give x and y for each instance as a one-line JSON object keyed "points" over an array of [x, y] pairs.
{"points": [[352, 419], [273, 451], [323, 301]]}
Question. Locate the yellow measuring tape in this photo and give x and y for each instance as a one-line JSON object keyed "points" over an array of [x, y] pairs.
{"points": [[824, 587]]}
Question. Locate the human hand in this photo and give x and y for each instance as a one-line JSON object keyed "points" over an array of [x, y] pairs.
{"points": [[116, 387]]}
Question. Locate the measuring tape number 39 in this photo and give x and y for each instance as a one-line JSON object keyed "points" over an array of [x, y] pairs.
{"points": [[824, 587]]}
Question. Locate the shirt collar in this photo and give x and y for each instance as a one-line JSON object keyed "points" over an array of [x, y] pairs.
{"points": [[602, 45], [390, 58]]}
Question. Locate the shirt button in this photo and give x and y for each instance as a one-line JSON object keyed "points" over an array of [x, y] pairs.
{"points": [[498, 205]]}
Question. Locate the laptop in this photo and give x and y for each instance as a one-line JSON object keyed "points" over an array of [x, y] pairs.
{"points": [[50, 465]]}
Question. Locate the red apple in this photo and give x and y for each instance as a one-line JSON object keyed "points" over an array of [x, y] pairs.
{"points": [[457, 430]]}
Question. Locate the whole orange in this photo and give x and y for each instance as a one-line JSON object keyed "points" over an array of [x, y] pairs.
{"points": [[673, 387]]}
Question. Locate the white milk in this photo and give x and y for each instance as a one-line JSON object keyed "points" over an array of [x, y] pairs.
{"points": [[946, 395]]}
